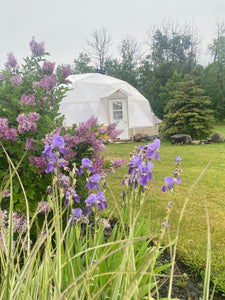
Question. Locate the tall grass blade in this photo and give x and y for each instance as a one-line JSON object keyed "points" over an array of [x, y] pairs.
{"points": [[208, 259]]}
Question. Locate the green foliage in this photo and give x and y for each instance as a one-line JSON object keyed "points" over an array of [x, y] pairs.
{"points": [[188, 111], [82, 64]]}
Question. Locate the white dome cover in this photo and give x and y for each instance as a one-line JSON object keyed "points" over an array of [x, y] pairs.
{"points": [[89, 96]]}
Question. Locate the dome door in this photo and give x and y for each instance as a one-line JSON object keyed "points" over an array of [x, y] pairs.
{"points": [[118, 113]]}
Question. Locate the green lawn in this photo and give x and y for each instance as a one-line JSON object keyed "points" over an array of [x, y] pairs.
{"points": [[211, 189]]}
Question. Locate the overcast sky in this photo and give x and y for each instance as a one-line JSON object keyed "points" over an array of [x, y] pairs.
{"points": [[65, 25]]}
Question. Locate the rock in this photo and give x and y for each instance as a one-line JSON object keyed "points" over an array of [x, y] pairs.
{"points": [[151, 137], [139, 137], [217, 138], [106, 142], [197, 142], [181, 139]]}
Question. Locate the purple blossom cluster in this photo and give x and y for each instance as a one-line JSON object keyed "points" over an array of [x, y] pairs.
{"points": [[11, 62], [27, 100], [19, 224], [48, 83], [140, 164], [37, 49], [29, 145], [66, 71], [85, 127], [6, 133], [95, 197], [43, 207], [38, 162], [112, 132], [48, 67], [27, 123], [170, 182], [15, 80], [52, 153]]}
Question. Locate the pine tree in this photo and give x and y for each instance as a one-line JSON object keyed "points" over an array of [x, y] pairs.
{"points": [[188, 111]]}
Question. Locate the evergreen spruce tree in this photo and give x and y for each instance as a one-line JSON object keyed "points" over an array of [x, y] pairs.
{"points": [[188, 111]]}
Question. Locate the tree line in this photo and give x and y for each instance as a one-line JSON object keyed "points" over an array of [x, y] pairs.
{"points": [[186, 95]]}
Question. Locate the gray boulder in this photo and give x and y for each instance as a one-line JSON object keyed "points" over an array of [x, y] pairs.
{"points": [[151, 137], [217, 138], [182, 139], [139, 137]]}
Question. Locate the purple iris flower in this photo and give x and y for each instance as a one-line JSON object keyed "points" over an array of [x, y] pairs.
{"points": [[50, 168], [101, 201], [91, 200], [77, 214], [178, 159], [86, 163], [143, 180], [170, 182], [150, 153], [93, 182], [137, 161], [47, 150], [58, 142]]}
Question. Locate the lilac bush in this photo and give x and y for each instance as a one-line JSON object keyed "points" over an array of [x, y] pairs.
{"points": [[30, 95]]}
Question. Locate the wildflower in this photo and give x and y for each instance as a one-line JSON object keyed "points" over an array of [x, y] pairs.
{"points": [[37, 48]]}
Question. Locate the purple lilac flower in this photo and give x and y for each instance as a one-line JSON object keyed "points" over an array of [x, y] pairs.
{"points": [[2, 77], [118, 163], [15, 80], [112, 132], [48, 137], [48, 83], [29, 145], [48, 67], [102, 130], [169, 183], [6, 194], [37, 48], [66, 71], [27, 123], [43, 207], [11, 62], [38, 162], [6, 133], [27, 99], [33, 116]]}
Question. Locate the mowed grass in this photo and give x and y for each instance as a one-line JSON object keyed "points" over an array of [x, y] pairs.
{"points": [[192, 244]]}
